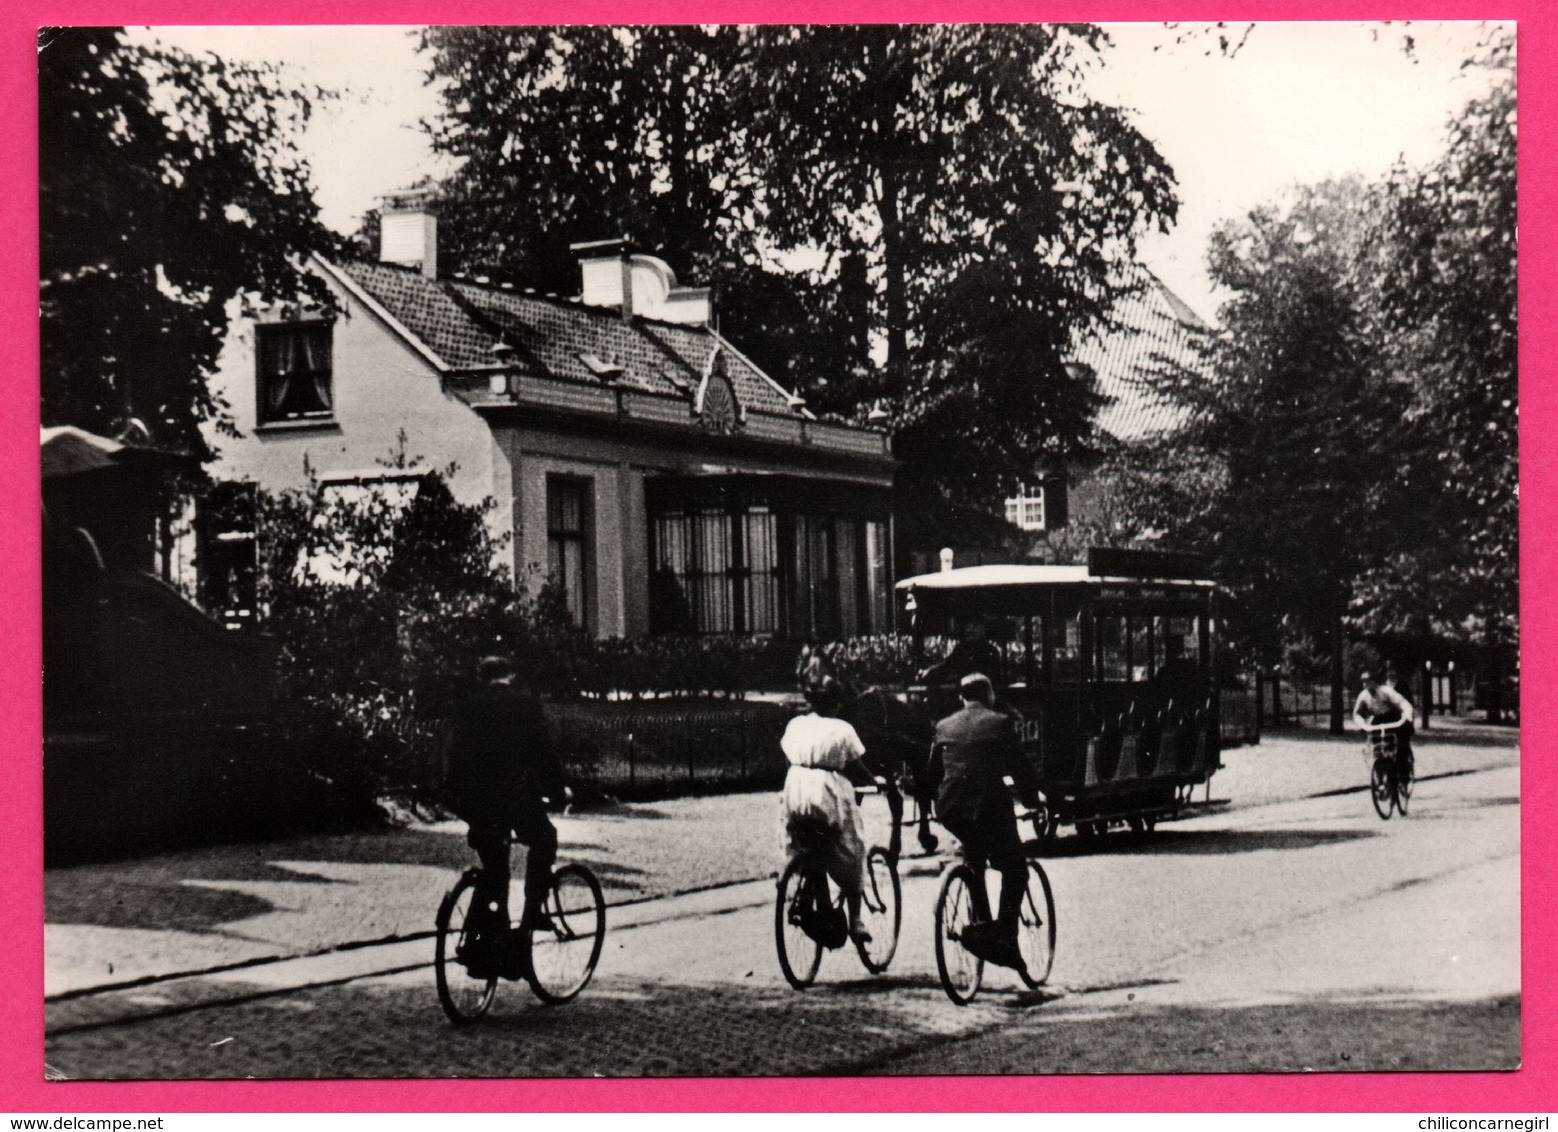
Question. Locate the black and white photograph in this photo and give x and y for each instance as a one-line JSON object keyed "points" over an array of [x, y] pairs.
{"points": [[779, 550]]}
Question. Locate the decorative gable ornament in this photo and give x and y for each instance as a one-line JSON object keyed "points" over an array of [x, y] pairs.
{"points": [[716, 406]]}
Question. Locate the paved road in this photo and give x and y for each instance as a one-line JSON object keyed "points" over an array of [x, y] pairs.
{"points": [[1299, 933]]}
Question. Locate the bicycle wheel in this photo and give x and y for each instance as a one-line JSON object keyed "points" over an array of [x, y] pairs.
{"points": [[1036, 927], [1382, 788], [881, 908], [799, 953], [464, 999], [956, 908], [563, 955]]}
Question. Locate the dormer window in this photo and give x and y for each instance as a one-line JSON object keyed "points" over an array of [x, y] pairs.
{"points": [[1040, 507], [606, 371], [294, 378], [1026, 510]]}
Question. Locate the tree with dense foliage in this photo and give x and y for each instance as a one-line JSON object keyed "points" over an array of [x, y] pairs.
{"points": [[912, 218], [1299, 411], [1445, 262], [169, 185], [1361, 404]]}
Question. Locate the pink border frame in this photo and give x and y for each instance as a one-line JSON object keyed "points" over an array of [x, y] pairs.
{"points": [[22, 1088]]}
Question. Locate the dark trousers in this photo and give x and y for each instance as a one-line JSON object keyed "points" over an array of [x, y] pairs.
{"points": [[993, 839], [534, 830]]}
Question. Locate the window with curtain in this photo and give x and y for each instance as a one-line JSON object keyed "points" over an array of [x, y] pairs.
{"points": [[568, 544], [294, 378], [877, 584], [716, 571]]}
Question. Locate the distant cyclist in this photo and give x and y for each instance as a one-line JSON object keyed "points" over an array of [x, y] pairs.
{"points": [[1379, 704]]}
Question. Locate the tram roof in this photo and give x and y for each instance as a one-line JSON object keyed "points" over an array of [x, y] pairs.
{"points": [[1008, 577]]}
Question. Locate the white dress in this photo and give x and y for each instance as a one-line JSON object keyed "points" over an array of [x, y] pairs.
{"points": [[818, 748]]}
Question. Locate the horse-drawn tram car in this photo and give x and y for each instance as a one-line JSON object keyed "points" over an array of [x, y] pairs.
{"points": [[1107, 667]]}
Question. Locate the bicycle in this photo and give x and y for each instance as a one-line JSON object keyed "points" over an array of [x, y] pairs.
{"points": [[963, 900], [1390, 777], [810, 914], [556, 956]]}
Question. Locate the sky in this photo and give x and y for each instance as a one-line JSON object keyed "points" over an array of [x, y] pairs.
{"points": [[1298, 103]]}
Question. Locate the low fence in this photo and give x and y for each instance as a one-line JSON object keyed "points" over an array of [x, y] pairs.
{"points": [[1290, 700], [1240, 717], [636, 750]]}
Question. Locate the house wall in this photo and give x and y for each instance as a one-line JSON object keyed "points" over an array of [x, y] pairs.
{"points": [[616, 470], [381, 387]]}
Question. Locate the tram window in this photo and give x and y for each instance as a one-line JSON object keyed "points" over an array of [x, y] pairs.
{"points": [[1143, 647], [1068, 652], [1008, 636], [1113, 664], [1182, 639]]}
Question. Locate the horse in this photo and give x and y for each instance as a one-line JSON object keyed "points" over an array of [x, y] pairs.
{"points": [[896, 734]]}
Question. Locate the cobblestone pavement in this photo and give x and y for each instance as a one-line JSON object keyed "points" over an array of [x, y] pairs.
{"points": [[1294, 935]]}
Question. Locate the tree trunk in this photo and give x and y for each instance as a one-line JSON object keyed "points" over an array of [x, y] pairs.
{"points": [[1493, 674], [897, 308], [888, 98], [1338, 654]]}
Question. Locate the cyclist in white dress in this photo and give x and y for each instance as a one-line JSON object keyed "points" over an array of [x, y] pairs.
{"points": [[819, 746]]}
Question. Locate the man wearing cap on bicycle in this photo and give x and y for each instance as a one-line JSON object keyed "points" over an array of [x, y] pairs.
{"points": [[502, 768], [1379, 704], [975, 748]]}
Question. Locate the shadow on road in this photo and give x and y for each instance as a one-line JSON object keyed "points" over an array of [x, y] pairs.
{"points": [[1167, 842], [190, 908], [184, 892], [1440, 735]]}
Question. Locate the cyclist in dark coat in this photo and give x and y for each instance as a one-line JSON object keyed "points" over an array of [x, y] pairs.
{"points": [[502, 769], [973, 750]]}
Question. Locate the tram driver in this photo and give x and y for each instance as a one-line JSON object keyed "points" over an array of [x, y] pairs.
{"points": [[974, 652]]}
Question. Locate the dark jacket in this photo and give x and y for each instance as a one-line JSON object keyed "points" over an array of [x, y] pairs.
{"points": [[974, 748], [501, 760]]}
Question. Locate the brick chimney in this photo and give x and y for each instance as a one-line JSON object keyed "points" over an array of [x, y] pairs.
{"points": [[606, 271], [637, 284], [408, 230]]}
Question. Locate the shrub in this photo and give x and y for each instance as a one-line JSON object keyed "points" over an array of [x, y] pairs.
{"points": [[382, 603], [888, 659]]}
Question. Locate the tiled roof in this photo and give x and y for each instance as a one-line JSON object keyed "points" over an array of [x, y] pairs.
{"points": [[461, 321], [1152, 332]]}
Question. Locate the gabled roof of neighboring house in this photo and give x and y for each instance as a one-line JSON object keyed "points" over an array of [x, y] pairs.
{"points": [[464, 324], [1152, 332]]}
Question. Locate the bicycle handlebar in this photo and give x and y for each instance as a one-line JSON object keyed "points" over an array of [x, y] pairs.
{"points": [[1377, 727]]}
